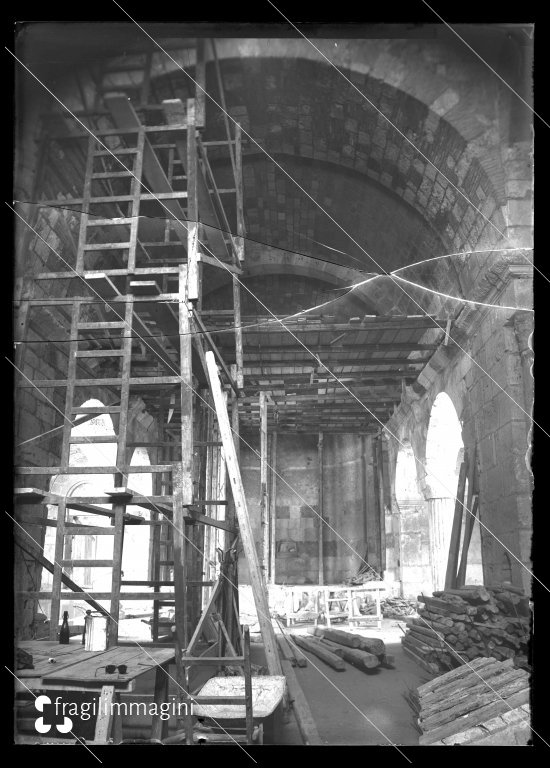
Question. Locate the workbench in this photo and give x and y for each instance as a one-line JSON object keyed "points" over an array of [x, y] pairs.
{"points": [[76, 669]]}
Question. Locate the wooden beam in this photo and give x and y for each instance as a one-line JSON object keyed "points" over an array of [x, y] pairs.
{"points": [[454, 544], [304, 718], [273, 510], [239, 195], [264, 510], [472, 509], [247, 538], [379, 470], [200, 77], [320, 535]]}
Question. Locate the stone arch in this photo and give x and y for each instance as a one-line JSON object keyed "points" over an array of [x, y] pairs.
{"points": [[443, 445]]}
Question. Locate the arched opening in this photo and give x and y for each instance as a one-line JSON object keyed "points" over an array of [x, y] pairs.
{"points": [[444, 449], [135, 561], [413, 565]]}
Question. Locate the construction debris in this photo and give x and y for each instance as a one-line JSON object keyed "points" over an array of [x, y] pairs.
{"points": [[474, 621], [484, 703], [397, 607]]}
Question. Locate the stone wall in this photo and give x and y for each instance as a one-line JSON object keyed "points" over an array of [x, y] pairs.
{"points": [[351, 533]]}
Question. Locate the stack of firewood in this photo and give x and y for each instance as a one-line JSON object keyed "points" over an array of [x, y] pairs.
{"points": [[473, 621], [484, 703]]}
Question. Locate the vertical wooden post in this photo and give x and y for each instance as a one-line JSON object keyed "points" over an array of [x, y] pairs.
{"points": [[200, 77], [469, 520], [239, 191], [273, 510], [247, 672], [320, 457], [82, 234], [114, 609], [192, 207], [382, 495], [454, 544], [380, 528], [183, 475], [238, 332], [258, 587], [57, 569], [264, 510]]}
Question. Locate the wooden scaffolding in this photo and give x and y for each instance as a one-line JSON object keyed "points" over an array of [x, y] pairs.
{"points": [[152, 220]]}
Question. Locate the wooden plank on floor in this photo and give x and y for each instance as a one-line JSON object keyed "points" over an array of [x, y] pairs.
{"points": [[304, 718]]}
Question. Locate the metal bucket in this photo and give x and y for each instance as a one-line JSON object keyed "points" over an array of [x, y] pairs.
{"points": [[96, 632]]}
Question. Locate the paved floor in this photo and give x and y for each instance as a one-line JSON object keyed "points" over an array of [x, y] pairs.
{"points": [[342, 703]]}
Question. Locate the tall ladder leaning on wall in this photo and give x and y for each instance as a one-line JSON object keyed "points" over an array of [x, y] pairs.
{"points": [[139, 301]]}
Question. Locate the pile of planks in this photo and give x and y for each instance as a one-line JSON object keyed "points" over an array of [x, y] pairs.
{"points": [[334, 647], [484, 703], [475, 621]]}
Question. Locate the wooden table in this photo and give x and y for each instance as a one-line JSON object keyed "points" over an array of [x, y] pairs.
{"points": [[76, 669]]}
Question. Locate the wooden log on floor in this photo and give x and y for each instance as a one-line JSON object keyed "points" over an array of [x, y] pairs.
{"points": [[336, 636], [285, 650], [335, 648], [372, 645], [360, 659], [304, 718], [316, 647]]}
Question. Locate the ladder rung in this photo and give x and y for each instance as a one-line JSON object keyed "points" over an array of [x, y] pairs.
{"points": [[106, 247], [94, 439], [105, 153], [100, 325], [111, 199], [212, 660], [87, 563], [101, 595], [109, 222], [113, 175], [97, 409], [89, 530], [101, 353]]}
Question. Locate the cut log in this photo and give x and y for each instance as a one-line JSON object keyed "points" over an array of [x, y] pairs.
{"points": [[318, 649], [372, 645], [335, 648], [361, 659], [336, 636]]}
